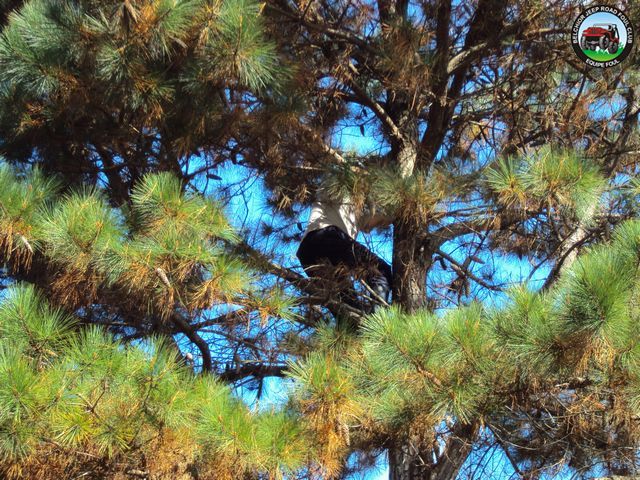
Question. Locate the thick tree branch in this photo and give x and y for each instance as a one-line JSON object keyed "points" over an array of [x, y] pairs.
{"points": [[467, 272], [284, 8], [436, 117], [197, 340], [456, 451], [256, 370], [392, 129], [469, 55]]}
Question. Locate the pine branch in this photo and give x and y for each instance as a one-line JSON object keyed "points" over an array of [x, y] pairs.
{"points": [[284, 8], [323, 145], [465, 271], [456, 450], [567, 251], [256, 370], [440, 103], [448, 232], [376, 107], [191, 334], [469, 55], [506, 451]]}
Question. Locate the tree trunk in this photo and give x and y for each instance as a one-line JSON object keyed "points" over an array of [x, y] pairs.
{"points": [[410, 265], [411, 261], [407, 462]]}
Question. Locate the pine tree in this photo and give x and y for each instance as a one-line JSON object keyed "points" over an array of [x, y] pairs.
{"points": [[491, 144]]}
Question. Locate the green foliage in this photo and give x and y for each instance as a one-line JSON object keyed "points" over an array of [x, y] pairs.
{"points": [[549, 178], [238, 47], [505, 179], [80, 229], [162, 206], [74, 389], [47, 42], [425, 365], [110, 90], [31, 49], [32, 327], [411, 197], [22, 399], [528, 332], [411, 372], [328, 400], [397, 361], [83, 391], [347, 180], [165, 63], [279, 442], [20, 203], [597, 291], [273, 303], [169, 242]]}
